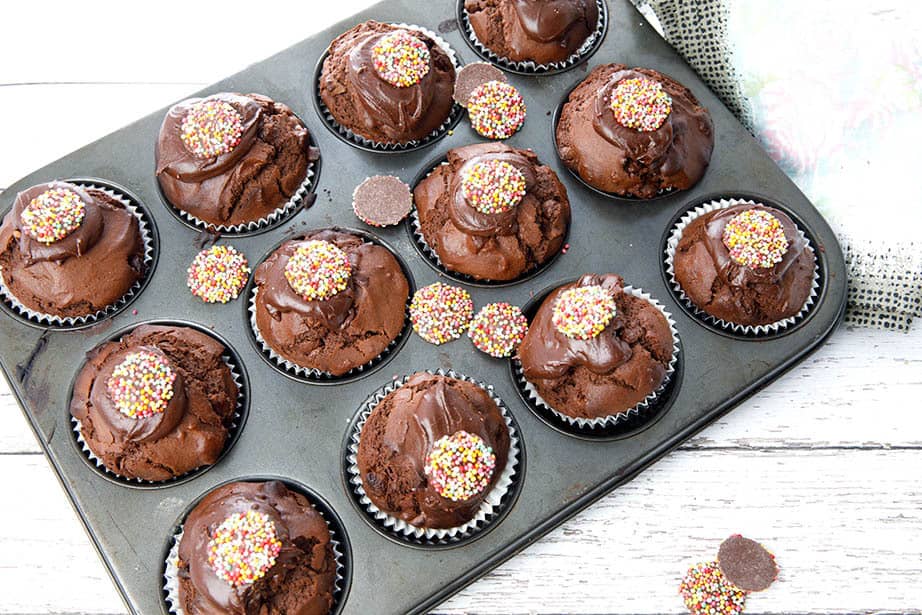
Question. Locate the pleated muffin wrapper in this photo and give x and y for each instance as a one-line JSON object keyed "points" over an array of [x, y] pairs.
{"points": [[311, 373], [613, 419], [433, 256], [171, 570], [453, 116], [281, 213], [532, 68], [77, 321], [491, 502], [236, 422], [749, 330]]}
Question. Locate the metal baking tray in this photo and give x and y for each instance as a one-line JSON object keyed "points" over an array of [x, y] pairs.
{"points": [[296, 430]]}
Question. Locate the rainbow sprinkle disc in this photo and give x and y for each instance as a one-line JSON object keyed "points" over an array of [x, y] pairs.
{"points": [[142, 384], [401, 59], [755, 239], [706, 591], [53, 215], [211, 128], [582, 313], [218, 274], [243, 548], [498, 329], [318, 270], [496, 109], [460, 466], [440, 313], [493, 186], [641, 104]]}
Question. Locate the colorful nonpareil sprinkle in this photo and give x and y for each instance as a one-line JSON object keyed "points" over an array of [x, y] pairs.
{"points": [[706, 591], [441, 313], [460, 466], [498, 329], [218, 274], [243, 548], [755, 239], [211, 128], [640, 103], [583, 312], [318, 270], [401, 59], [142, 384], [493, 186], [496, 109], [53, 215]]}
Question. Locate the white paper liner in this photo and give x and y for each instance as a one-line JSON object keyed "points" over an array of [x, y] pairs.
{"points": [[349, 135], [491, 501], [171, 571], [76, 321], [530, 67], [231, 431], [757, 330], [637, 410], [433, 256], [281, 213], [310, 372]]}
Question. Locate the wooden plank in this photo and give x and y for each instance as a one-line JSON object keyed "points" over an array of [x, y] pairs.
{"points": [[825, 402], [846, 527]]}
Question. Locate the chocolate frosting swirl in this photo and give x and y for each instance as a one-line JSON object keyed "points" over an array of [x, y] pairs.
{"points": [[125, 428], [467, 218], [548, 353], [75, 244], [306, 551], [175, 159], [566, 22], [738, 275], [655, 147]]}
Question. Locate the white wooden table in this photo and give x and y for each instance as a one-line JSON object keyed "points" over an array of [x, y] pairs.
{"points": [[824, 466]]}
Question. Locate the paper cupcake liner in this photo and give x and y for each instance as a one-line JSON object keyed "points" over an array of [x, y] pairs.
{"points": [[611, 420], [312, 374], [747, 330], [280, 214], [232, 429], [52, 320], [351, 137], [492, 503], [585, 50], [171, 567], [432, 256]]}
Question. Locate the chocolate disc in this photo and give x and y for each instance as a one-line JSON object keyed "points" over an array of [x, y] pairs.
{"points": [[746, 563], [471, 76], [382, 200]]}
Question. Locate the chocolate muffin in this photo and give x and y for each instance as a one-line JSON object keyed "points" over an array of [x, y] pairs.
{"points": [[634, 132], [410, 445], [594, 350], [330, 301], [387, 84], [69, 251], [232, 159], [157, 403], [255, 547], [493, 212], [539, 31], [748, 269]]}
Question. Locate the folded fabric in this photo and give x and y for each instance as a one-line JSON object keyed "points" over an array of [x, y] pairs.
{"points": [[833, 90]]}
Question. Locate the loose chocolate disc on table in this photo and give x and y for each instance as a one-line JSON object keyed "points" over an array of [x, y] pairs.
{"points": [[746, 563], [472, 76], [382, 200]]}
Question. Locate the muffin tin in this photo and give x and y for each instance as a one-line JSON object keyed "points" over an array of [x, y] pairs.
{"points": [[299, 431]]}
